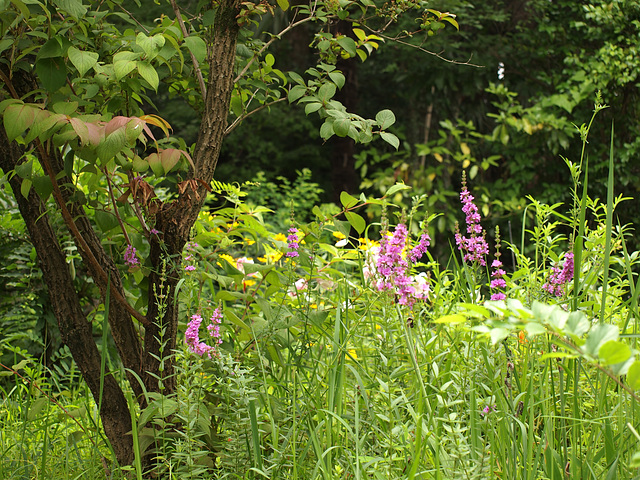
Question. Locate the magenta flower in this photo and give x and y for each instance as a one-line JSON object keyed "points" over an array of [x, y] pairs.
{"points": [[192, 335], [497, 283], [475, 246], [294, 242], [392, 267], [560, 277], [130, 257], [190, 268]]}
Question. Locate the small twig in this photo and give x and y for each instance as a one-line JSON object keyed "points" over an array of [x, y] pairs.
{"points": [[131, 16], [115, 207], [196, 65], [237, 121], [267, 45], [8, 84]]}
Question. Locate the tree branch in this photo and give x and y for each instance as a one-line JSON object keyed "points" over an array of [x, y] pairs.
{"points": [[196, 65]]}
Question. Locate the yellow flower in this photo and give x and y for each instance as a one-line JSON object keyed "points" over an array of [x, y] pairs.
{"points": [[339, 235], [280, 237], [249, 241], [270, 257], [378, 327], [366, 244], [351, 354], [313, 306], [228, 258]]}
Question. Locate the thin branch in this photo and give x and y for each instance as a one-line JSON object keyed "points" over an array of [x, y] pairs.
{"points": [[196, 65], [238, 120], [422, 49], [130, 16], [115, 207], [291, 26]]}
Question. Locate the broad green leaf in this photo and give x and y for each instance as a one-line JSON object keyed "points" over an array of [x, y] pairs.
{"points": [[52, 73], [65, 108], [397, 188], [83, 61], [197, 47], [599, 335], [577, 324], [534, 328], [73, 7], [25, 170], [17, 118], [341, 127], [283, 4], [52, 48], [391, 139], [269, 59], [43, 186], [139, 165], [297, 78], [105, 220], [36, 407], [155, 162], [614, 351], [356, 221], [25, 187], [149, 74], [347, 200], [169, 158], [123, 68], [498, 334], [312, 107], [5, 43], [111, 145], [385, 118], [337, 78], [348, 44], [296, 92], [633, 375], [150, 45], [326, 130], [326, 92]]}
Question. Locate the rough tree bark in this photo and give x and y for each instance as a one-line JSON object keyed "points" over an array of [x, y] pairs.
{"points": [[135, 335]]}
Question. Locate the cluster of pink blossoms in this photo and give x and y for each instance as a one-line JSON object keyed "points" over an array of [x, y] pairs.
{"points": [[192, 335], [392, 267], [475, 246], [560, 276], [294, 242], [130, 257]]}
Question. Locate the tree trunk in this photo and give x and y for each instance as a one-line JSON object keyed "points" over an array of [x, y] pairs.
{"points": [[76, 331]]}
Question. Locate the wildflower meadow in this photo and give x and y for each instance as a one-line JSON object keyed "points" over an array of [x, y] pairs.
{"points": [[342, 348]]}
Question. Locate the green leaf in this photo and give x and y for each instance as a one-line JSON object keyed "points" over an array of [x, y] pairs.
{"points": [[83, 61], [52, 73], [105, 220], [326, 130], [348, 44], [43, 186], [52, 48], [296, 92], [65, 108], [347, 200], [149, 74], [111, 145], [36, 407], [391, 139], [599, 335], [341, 127], [169, 158], [197, 47], [396, 188], [356, 221], [337, 78], [312, 107], [297, 78], [326, 92], [140, 165], [122, 68], [17, 118], [150, 45], [385, 118], [75, 8], [25, 170], [283, 4], [25, 187], [155, 162], [614, 351], [633, 375]]}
